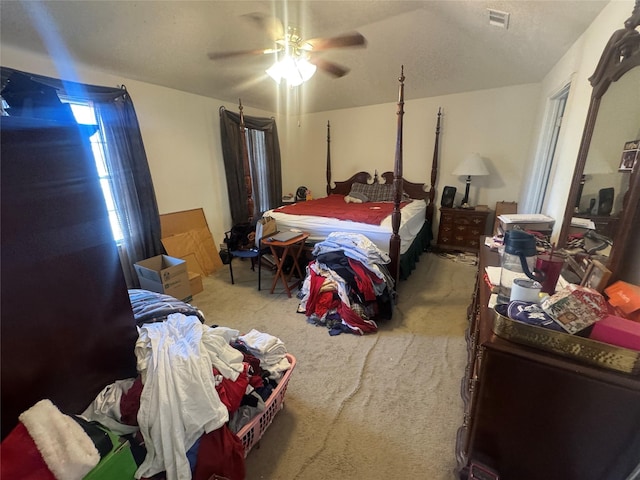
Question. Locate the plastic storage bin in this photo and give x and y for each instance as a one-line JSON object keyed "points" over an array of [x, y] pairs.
{"points": [[252, 432]]}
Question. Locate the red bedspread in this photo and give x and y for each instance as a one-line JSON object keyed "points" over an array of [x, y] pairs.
{"points": [[334, 206]]}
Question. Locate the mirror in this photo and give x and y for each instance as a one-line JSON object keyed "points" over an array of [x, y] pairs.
{"points": [[618, 122], [605, 188]]}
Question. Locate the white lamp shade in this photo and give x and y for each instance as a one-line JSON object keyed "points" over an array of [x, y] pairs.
{"points": [[306, 69], [472, 165]]}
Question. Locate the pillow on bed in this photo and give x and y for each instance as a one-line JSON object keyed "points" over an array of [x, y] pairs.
{"points": [[356, 197], [375, 192]]}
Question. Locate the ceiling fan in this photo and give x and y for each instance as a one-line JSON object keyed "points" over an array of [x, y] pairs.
{"points": [[291, 48]]}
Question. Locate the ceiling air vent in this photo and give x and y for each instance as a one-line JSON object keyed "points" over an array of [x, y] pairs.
{"points": [[498, 18]]}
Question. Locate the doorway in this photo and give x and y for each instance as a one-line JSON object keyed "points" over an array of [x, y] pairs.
{"points": [[546, 151]]}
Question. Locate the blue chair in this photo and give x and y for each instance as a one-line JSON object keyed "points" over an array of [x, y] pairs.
{"points": [[254, 253]]}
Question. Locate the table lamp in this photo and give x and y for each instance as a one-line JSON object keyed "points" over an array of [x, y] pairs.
{"points": [[472, 165]]}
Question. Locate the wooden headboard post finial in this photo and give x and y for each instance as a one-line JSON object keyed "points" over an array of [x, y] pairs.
{"points": [[394, 243], [245, 164], [328, 159], [434, 171]]}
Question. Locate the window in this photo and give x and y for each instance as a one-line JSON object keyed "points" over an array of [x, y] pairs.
{"points": [[85, 115], [257, 152], [121, 164], [263, 152]]}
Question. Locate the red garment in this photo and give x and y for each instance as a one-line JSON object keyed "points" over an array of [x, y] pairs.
{"points": [[355, 321], [220, 453], [130, 403], [21, 459], [255, 371], [363, 278], [326, 302], [231, 392], [316, 282]]}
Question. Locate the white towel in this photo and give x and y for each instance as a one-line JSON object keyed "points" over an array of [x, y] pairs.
{"points": [[263, 344], [270, 350]]}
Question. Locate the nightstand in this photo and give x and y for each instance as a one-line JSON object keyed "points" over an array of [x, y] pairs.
{"points": [[461, 228]]}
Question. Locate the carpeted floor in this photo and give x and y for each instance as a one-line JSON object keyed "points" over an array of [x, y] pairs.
{"points": [[381, 406]]}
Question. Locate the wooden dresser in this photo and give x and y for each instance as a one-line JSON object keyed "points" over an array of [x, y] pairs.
{"points": [[461, 228], [532, 415]]}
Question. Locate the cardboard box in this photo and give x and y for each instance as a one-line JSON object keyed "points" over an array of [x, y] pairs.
{"points": [[535, 222], [186, 234], [575, 308], [617, 331], [195, 283], [118, 464], [164, 274]]}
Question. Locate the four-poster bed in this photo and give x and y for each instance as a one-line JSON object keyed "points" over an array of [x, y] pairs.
{"points": [[397, 219]]}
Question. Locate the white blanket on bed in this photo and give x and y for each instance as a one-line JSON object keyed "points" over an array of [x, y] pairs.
{"points": [[412, 220], [179, 401]]}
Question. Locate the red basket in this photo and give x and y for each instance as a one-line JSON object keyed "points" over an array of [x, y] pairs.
{"points": [[252, 432]]}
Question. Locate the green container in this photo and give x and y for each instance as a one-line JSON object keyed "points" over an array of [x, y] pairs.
{"points": [[118, 464]]}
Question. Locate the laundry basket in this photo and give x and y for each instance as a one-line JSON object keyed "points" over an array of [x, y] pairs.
{"points": [[252, 432]]}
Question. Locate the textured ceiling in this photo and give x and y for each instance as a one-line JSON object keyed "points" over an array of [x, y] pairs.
{"points": [[445, 46]]}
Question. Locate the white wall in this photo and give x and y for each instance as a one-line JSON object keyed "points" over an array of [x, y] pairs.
{"points": [[578, 64], [498, 124], [181, 135]]}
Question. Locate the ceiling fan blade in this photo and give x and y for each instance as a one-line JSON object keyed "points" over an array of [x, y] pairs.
{"points": [[354, 39], [272, 25], [330, 67], [239, 53]]}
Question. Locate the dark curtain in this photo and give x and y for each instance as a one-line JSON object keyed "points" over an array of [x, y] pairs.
{"points": [[126, 159], [232, 153]]}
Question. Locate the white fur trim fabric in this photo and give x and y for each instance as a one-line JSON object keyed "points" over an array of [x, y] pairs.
{"points": [[65, 447]]}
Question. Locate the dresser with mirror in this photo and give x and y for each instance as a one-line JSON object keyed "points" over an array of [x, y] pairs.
{"points": [[606, 185], [530, 414]]}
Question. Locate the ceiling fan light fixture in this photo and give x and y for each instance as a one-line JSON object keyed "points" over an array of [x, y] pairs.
{"points": [[294, 71], [275, 72], [306, 68]]}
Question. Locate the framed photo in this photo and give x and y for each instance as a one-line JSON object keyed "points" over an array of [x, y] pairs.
{"points": [[596, 276], [575, 270], [629, 156]]}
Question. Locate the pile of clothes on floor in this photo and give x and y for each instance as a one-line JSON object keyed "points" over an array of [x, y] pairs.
{"points": [[197, 387], [347, 286]]}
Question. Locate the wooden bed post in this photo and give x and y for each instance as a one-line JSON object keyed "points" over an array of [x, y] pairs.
{"points": [[434, 172], [245, 164], [394, 243], [328, 159]]}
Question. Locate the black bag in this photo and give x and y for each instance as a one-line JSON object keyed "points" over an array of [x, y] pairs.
{"points": [[240, 237], [97, 434]]}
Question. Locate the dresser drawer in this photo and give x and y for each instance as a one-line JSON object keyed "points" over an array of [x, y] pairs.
{"points": [[447, 219], [460, 229], [471, 219]]}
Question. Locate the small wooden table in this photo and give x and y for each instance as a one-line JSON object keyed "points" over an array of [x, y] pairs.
{"points": [[282, 250]]}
